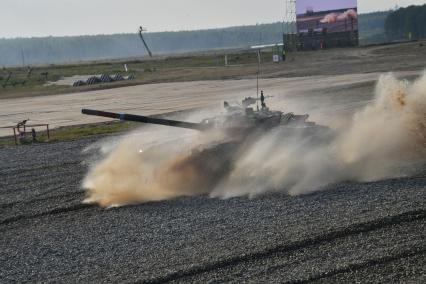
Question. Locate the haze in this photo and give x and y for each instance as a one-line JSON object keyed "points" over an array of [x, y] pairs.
{"points": [[29, 18]]}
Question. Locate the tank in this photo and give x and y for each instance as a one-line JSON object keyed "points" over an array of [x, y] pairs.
{"points": [[243, 118], [239, 128]]}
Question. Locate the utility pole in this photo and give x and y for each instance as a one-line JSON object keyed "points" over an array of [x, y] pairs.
{"points": [[141, 29]]}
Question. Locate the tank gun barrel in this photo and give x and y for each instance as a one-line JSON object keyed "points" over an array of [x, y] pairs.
{"points": [[146, 119]]}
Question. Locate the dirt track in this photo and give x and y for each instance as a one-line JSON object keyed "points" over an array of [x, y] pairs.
{"points": [[352, 91], [373, 232]]}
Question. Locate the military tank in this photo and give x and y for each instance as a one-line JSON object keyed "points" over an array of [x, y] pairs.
{"points": [[238, 119], [231, 136]]}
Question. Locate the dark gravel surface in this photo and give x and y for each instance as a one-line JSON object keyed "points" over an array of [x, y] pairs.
{"points": [[351, 232]]}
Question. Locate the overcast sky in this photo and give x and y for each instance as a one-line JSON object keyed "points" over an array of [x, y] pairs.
{"points": [[26, 18]]}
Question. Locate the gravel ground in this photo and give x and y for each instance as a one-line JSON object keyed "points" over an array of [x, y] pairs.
{"points": [[350, 232]]}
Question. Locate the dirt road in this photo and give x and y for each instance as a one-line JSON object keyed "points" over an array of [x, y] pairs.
{"points": [[316, 95]]}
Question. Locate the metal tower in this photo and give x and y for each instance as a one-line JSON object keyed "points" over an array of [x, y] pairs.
{"points": [[290, 17], [290, 28]]}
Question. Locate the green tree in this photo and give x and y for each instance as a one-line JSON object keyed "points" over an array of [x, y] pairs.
{"points": [[406, 23]]}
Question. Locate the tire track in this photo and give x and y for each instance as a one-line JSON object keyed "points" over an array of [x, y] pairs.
{"points": [[331, 236], [360, 266], [48, 184], [56, 211], [29, 172], [28, 203]]}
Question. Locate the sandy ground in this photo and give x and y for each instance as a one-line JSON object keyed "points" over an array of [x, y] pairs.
{"points": [[315, 94]]}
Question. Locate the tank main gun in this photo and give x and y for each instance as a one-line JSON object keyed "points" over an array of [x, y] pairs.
{"points": [[148, 120]]}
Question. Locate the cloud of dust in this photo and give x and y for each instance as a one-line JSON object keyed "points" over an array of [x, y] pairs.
{"points": [[154, 164], [386, 139]]}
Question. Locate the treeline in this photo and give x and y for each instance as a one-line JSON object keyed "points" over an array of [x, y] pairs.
{"points": [[53, 50], [98, 47], [372, 28], [406, 23]]}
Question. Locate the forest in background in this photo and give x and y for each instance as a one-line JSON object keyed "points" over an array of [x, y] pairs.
{"points": [[406, 23], [55, 50]]}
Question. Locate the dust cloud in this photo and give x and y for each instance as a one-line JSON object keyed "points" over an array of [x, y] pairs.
{"points": [[386, 139]]}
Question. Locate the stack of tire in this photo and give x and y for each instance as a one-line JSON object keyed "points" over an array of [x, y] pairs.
{"points": [[117, 77], [93, 80], [106, 78], [79, 83]]}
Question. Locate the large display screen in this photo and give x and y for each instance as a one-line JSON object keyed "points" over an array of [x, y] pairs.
{"points": [[327, 16]]}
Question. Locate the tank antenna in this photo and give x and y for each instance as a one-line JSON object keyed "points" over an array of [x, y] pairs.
{"points": [[257, 79]]}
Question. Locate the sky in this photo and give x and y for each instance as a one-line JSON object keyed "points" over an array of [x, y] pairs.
{"points": [[35, 18]]}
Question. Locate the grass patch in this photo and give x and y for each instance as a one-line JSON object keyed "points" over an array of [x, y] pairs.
{"points": [[76, 132], [68, 133]]}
